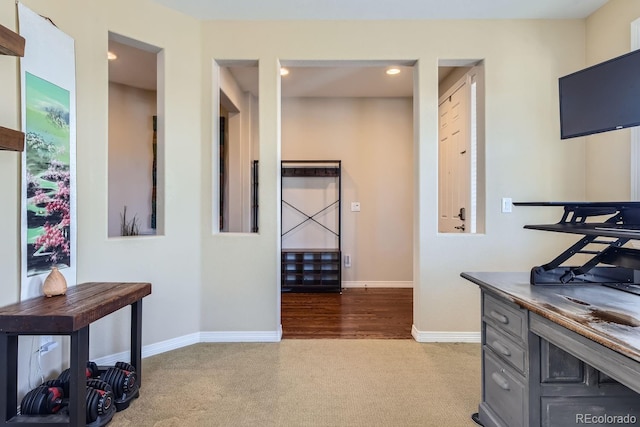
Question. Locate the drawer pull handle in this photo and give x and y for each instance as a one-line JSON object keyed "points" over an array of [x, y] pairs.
{"points": [[499, 317], [502, 349], [500, 380]]}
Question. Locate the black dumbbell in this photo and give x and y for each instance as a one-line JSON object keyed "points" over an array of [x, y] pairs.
{"points": [[99, 399], [91, 371], [122, 378], [42, 400]]}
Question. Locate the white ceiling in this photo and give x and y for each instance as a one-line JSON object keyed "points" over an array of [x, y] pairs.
{"points": [[347, 79], [352, 79], [334, 80], [133, 67], [383, 9]]}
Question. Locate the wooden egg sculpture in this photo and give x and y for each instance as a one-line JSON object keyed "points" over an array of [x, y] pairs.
{"points": [[54, 284]]}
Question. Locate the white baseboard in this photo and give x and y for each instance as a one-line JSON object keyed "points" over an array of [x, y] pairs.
{"points": [[367, 284], [195, 338], [242, 336], [152, 349], [262, 336], [434, 336]]}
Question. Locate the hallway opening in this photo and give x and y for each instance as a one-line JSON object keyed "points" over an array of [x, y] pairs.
{"points": [[358, 113]]}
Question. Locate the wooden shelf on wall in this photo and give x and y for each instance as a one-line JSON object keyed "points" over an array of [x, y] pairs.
{"points": [[10, 139], [11, 44]]}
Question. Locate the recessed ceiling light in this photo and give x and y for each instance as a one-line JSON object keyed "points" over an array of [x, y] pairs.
{"points": [[284, 71], [111, 56], [393, 71]]}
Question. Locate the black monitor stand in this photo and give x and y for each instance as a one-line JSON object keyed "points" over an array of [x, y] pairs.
{"points": [[610, 263]]}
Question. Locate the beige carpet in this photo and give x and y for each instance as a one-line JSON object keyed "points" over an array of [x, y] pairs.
{"points": [[309, 383]]}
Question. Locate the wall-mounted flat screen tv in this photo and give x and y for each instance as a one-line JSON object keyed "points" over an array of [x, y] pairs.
{"points": [[601, 98]]}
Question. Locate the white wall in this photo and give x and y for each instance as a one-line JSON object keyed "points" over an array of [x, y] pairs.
{"points": [[228, 282], [608, 35], [456, 74], [170, 262], [374, 139], [131, 112], [525, 159], [10, 188], [9, 172]]}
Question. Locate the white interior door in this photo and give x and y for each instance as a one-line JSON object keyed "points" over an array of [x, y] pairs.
{"points": [[454, 161]]}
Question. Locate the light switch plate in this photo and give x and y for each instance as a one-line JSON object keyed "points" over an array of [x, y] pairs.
{"points": [[347, 261], [506, 204], [355, 206]]}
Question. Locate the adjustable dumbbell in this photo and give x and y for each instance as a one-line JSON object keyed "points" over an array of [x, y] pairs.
{"points": [[42, 400], [122, 378], [99, 399], [91, 371]]}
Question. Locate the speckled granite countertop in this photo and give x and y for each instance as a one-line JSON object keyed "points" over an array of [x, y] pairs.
{"points": [[607, 316]]}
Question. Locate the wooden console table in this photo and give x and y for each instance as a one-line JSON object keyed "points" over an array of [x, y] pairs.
{"points": [[69, 315]]}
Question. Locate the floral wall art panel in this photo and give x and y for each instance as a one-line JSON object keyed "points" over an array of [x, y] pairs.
{"points": [[48, 162], [48, 176]]}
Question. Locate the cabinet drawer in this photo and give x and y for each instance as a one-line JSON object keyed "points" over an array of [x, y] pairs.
{"points": [[598, 410], [505, 348], [507, 318], [503, 391]]}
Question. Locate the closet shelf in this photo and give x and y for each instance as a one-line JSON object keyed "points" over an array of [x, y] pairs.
{"points": [[310, 171]]}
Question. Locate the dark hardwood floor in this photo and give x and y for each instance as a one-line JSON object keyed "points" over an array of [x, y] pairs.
{"points": [[356, 313]]}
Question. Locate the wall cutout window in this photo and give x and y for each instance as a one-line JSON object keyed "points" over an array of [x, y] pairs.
{"points": [[136, 138], [236, 207], [461, 191]]}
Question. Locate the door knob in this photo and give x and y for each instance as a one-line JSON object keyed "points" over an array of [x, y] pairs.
{"points": [[462, 214]]}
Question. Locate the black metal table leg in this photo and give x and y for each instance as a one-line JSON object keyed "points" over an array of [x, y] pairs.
{"points": [[136, 339], [78, 378], [9, 377]]}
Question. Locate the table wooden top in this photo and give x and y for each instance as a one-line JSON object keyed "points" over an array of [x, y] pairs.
{"points": [[63, 314], [607, 316]]}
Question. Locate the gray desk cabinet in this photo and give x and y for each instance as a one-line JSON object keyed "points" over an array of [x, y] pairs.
{"points": [[505, 363], [536, 372]]}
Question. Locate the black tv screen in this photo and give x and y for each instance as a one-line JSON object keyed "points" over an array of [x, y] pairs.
{"points": [[601, 98]]}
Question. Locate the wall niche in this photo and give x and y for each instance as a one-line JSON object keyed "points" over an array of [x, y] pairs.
{"points": [[136, 138]]}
